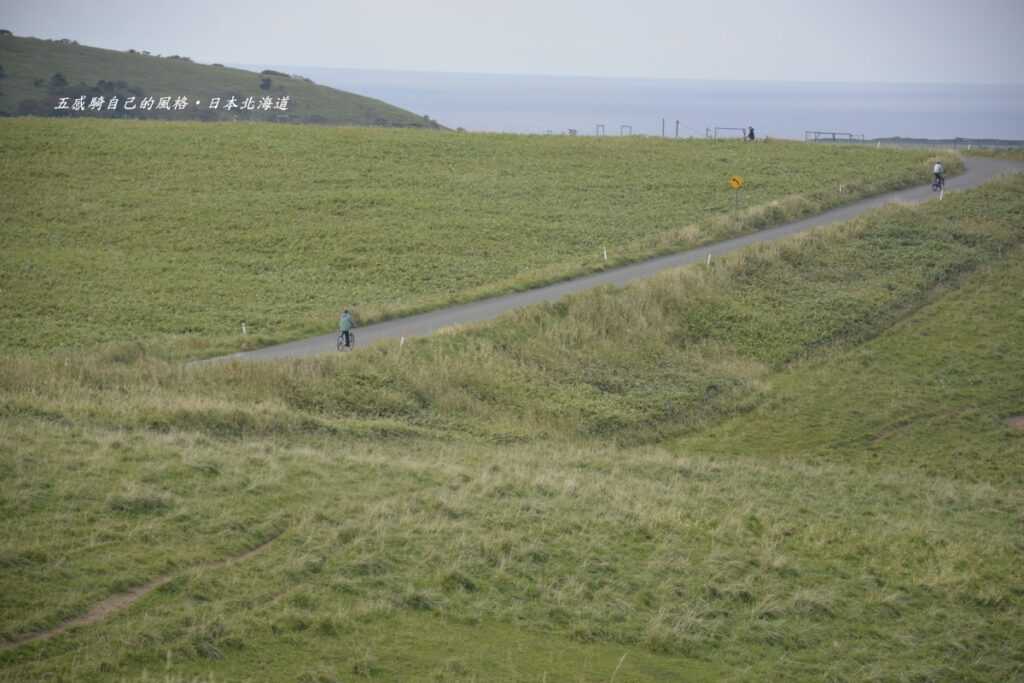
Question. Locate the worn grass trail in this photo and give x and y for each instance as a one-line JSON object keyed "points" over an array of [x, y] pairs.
{"points": [[121, 601]]}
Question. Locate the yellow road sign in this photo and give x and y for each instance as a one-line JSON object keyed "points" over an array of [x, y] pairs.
{"points": [[736, 182]]}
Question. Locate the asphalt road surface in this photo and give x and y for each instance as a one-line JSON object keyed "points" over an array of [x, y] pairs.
{"points": [[978, 170]]}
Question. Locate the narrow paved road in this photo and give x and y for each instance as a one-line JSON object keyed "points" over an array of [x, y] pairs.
{"points": [[978, 171]]}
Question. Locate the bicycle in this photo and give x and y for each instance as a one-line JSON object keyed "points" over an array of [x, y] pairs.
{"points": [[351, 341], [938, 184]]}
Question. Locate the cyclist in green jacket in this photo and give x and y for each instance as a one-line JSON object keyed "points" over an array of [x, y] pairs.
{"points": [[345, 325]]}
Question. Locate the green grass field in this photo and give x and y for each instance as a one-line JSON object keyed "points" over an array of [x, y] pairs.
{"points": [[172, 234], [1011, 154], [797, 467], [29, 64]]}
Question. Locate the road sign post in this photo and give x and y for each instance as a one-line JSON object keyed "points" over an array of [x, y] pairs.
{"points": [[736, 183]]}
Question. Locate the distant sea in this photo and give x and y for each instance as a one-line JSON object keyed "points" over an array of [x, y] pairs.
{"points": [[539, 104]]}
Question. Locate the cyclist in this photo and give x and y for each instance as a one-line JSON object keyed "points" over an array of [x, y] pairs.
{"points": [[345, 325], [939, 171]]}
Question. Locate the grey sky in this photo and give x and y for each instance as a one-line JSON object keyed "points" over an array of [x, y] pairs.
{"points": [[966, 41]]}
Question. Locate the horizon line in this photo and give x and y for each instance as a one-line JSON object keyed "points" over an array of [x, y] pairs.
{"points": [[619, 78]]}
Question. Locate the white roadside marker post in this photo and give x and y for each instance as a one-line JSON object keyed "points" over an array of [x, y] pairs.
{"points": [[605, 253], [709, 259], [244, 331]]}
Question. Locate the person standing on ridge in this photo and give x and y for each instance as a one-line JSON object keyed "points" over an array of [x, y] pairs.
{"points": [[345, 325], [750, 134]]}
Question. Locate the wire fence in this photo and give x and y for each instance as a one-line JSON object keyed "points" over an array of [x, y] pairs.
{"points": [[832, 136], [959, 144], [719, 131]]}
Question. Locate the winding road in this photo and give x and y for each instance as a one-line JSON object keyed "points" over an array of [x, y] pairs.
{"points": [[978, 170]]}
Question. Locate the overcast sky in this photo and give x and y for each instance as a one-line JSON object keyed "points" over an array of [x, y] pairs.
{"points": [[964, 41]]}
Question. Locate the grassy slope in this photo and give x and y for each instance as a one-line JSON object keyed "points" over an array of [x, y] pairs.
{"points": [[913, 505], [1011, 154], [860, 523], [27, 59], [173, 234]]}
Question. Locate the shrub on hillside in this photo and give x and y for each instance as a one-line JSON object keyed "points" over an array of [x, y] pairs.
{"points": [[3, 74], [120, 88], [57, 81], [271, 72], [265, 84]]}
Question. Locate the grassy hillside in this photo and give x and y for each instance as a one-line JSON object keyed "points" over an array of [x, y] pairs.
{"points": [[174, 233], [29, 86], [796, 467]]}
